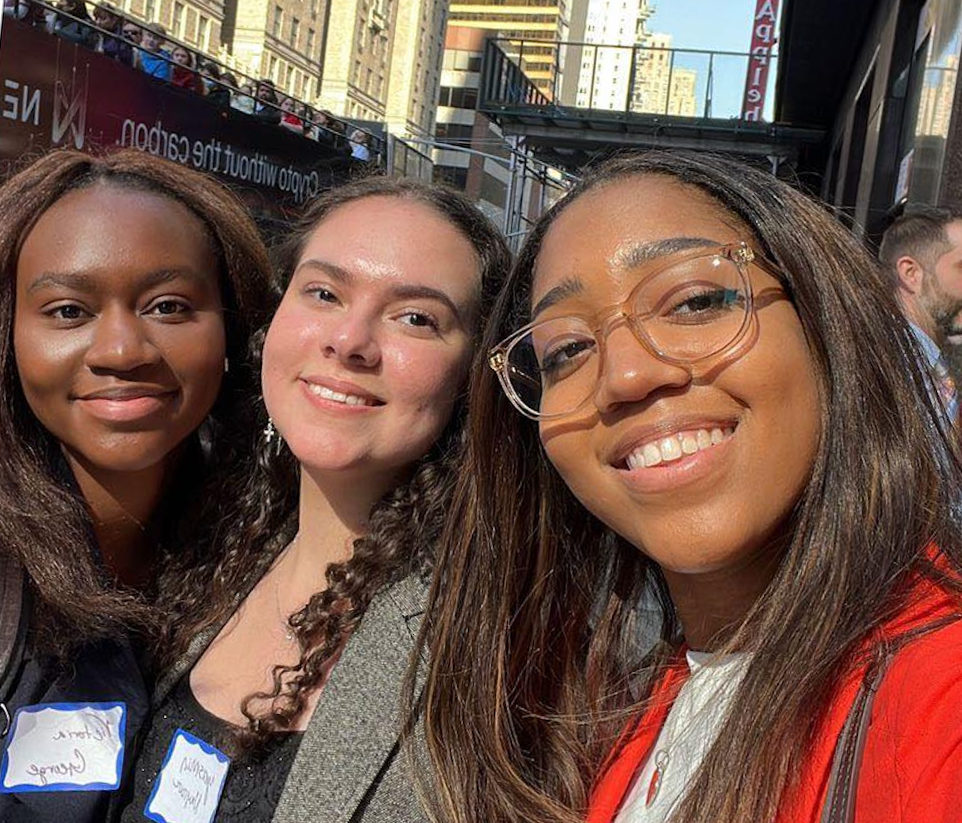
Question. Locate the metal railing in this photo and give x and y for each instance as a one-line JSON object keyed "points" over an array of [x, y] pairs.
{"points": [[334, 132], [624, 80]]}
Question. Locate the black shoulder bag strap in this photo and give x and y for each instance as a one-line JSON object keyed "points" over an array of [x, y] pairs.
{"points": [[13, 631]]}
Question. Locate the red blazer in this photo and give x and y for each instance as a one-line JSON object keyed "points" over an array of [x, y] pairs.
{"points": [[911, 770]]}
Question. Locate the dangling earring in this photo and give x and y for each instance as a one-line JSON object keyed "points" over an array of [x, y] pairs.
{"points": [[269, 431], [226, 365]]}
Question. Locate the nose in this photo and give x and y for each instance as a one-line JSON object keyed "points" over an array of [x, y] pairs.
{"points": [[351, 340], [120, 343], [631, 372]]}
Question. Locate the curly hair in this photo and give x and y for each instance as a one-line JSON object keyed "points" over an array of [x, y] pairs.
{"points": [[44, 521], [205, 588]]}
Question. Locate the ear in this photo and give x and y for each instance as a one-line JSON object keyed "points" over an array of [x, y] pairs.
{"points": [[910, 274]]}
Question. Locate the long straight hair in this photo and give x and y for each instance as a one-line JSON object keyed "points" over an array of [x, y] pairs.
{"points": [[44, 521], [534, 616]]}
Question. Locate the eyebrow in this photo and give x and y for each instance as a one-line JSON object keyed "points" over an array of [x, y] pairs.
{"points": [[634, 255], [626, 258], [403, 291], [79, 281]]}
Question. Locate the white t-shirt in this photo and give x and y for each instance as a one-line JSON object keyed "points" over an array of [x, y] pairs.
{"points": [[689, 731]]}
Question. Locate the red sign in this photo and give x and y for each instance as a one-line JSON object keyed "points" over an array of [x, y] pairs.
{"points": [[763, 39]]}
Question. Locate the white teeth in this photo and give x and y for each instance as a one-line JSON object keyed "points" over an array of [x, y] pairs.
{"points": [[675, 447], [338, 397], [670, 449]]}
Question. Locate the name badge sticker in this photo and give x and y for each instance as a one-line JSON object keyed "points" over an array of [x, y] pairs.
{"points": [[190, 782], [65, 747]]}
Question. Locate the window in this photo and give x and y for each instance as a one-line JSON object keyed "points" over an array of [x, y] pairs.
{"points": [[203, 33], [313, 9], [453, 133], [272, 68], [177, 21], [278, 21], [310, 43], [150, 10], [295, 31]]}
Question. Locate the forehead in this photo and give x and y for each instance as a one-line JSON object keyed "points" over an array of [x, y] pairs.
{"points": [[105, 230], [601, 228], [396, 239]]}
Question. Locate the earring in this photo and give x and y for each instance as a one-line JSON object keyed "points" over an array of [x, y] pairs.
{"points": [[269, 431], [226, 365]]}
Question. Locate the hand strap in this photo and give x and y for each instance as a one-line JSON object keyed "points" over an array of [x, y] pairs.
{"points": [[13, 630], [843, 781]]}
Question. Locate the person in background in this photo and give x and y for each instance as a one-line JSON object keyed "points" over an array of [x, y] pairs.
{"points": [[360, 145], [701, 387], [152, 58], [183, 73], [216, 83], [130, 288], [289, 118], [922, 254], [132, 33], [266, 106], [111, 42], [243, 98], [72, 23]]}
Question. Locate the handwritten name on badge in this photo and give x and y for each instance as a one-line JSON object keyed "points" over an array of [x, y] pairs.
{"points": [[65, 747], [190, 782]]}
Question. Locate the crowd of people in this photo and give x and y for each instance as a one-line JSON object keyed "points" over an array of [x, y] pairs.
{"points": [[146, 47], [657, 521]]}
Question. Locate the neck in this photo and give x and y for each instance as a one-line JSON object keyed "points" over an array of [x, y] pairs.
{"points": [[333, 511], [121, 505], [712, 605], [923, 320]]}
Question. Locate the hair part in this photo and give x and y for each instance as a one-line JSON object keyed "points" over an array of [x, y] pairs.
{"points": [[552, 600]]}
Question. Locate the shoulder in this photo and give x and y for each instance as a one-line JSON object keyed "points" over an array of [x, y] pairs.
{"points": [[913, 756]]}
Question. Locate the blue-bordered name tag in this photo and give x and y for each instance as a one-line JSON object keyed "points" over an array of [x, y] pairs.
{"points": [[64, 747], [190, 782]]}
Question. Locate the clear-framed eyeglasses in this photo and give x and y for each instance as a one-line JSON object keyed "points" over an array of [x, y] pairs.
{"points": [[691, 308]]}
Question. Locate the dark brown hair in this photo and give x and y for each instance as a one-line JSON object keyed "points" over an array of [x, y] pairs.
{"points": [[404, 526], [918, 232], [535, 613], [44, 521]]}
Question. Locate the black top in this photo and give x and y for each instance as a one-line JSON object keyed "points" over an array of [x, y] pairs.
{"points": [[101, 672], [253, 786]]}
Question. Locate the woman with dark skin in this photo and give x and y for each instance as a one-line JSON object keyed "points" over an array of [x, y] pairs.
{"points": [[130, 289], [292, 633], [728, 439]]}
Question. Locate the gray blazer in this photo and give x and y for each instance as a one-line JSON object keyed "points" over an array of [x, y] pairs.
{"points": [[349, 767]]}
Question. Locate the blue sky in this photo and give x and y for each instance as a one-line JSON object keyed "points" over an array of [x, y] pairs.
{"points": [[714, 25]]}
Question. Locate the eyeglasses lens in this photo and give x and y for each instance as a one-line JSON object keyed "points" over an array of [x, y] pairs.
{"points": [[690, 311]]}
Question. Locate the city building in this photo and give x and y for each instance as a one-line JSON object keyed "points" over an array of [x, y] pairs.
{"points": [[534, 28], [277, 39], [660, 86], [495, 172], [417, 53], [198, 23], [603, 37]]}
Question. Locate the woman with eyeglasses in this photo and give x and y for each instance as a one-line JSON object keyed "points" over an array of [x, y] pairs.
{"points": [[703, 414]]}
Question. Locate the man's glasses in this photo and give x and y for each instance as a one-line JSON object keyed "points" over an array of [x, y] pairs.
{"points": [[693, 307]]}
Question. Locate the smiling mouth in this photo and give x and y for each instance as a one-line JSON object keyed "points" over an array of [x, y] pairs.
{"points": [[340, 397], [676, 446]]}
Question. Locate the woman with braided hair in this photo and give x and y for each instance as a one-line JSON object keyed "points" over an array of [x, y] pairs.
{"points": [[293, 627]]}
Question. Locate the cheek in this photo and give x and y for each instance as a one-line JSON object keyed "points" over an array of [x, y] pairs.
{"points": [[427, 381]]}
